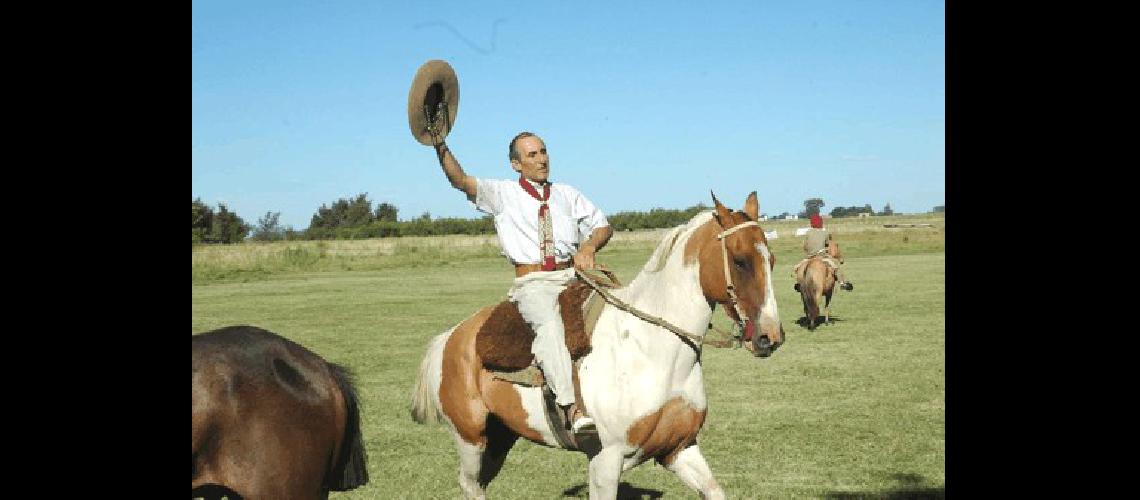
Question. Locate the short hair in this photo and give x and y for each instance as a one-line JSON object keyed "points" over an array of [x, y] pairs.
{"points": [[512, 153]]}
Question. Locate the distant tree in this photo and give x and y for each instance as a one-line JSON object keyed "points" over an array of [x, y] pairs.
{"points": [[851, 211], [216, 226], [201, 220], [344, 212], [887, 210], [268, 228], [811, 207], [940, 209], [386, 212], [227, 227]]}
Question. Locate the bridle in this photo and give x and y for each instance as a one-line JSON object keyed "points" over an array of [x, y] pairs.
{"points": [[741, 318]]}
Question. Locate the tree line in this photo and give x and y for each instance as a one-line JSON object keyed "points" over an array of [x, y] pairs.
{"points": [[812, 206], [355, 218]]}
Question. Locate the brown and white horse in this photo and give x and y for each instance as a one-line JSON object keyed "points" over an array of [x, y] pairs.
{"points": [[817, 283], [642, 384]]}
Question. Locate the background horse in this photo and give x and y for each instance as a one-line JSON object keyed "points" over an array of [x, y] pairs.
{"points": [[271, 419], [642, 384], [817, 283]]}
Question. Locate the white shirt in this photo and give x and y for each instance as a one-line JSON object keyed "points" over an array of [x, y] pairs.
{"points": [[516, 218]]}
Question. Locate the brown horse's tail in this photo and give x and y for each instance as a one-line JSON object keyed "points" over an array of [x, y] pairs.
{"points": [[810, 291], [350, 469]]}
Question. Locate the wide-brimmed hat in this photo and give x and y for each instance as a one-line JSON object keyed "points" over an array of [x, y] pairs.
{"points": [[434, 82]]}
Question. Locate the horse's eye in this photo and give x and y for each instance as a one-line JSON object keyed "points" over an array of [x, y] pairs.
{"points": [[741, 263]]}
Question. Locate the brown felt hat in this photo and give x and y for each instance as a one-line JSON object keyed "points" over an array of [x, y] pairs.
{"points": [[435, 81]]}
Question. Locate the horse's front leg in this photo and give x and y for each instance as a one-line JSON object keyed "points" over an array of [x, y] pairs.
{"points": [[605, 471], [692, 469]]}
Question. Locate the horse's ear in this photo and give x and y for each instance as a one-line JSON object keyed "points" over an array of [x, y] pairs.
{"points": [[752, 207], [723, 216]]}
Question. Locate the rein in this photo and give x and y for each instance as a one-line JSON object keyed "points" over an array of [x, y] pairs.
{"points": [[692, 340]]}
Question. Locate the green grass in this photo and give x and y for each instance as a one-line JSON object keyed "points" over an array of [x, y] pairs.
{"points": [[852, 410]]}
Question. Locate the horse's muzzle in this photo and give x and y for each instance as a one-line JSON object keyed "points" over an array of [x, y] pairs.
{"points": [[763, 347]]}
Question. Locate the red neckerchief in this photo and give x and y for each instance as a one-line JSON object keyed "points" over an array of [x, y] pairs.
{"points": [[543, 218]]}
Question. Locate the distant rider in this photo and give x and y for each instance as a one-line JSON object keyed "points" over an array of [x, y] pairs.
{"points": [[815, 244]]}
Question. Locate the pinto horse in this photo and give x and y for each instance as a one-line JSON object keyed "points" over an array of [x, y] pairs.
{"points": [[271, 419], [641, 382], [817, 283]]}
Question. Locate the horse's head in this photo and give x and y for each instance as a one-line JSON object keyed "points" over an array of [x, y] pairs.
{"points": [[833, 250], [736, 272]]}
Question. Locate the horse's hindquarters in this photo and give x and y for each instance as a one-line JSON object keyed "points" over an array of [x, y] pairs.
{"points": [[270, 418]]}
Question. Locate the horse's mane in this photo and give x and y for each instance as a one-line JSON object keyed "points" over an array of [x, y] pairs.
{"points": [[665, 248]]}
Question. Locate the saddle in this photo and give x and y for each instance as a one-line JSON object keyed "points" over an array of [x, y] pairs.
{"points": [[503, 342]]}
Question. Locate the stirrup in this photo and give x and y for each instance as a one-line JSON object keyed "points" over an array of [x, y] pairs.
{"points": [[584, 423]]}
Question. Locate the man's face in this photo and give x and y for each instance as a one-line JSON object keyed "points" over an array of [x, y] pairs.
{"points": [[533, 162]]}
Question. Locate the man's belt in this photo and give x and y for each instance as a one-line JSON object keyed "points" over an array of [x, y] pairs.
{"points": [[524, 269]]}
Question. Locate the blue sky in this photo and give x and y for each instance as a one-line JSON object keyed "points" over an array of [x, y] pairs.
{"points": [[641, 104]]}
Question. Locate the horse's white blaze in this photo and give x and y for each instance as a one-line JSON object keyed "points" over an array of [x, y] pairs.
{"points": [[769, 313]]}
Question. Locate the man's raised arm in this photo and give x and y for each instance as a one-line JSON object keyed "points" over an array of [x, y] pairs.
{"points": [[459, 180]]}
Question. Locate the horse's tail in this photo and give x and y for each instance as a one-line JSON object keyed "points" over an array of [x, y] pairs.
{"points": [[810, 289], [350, 469], [424, 407]]}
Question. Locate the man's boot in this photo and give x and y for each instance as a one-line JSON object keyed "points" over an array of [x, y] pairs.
{"points": [[581, 421]]}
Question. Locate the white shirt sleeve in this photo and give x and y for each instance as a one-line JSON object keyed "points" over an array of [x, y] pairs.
{"points": [[589, 217], [488, 196]]}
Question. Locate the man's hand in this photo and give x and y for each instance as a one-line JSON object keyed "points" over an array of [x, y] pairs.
{"points": [[584, 259]]}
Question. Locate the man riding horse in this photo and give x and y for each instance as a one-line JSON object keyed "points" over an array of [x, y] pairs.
{"points": [[815, 245], [537, 223]]}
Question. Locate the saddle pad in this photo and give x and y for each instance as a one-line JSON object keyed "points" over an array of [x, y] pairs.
{"points": [[504, 340]]}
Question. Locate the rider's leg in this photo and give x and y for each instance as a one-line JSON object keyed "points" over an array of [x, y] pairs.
{"points": [[538, 304], [843, 283]]}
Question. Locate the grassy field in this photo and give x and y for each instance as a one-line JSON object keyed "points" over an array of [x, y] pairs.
{"points": [[855, 409]]}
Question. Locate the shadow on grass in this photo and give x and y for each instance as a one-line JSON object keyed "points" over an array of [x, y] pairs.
{"points": [[625, 491], [803, 321], [910, 486]]}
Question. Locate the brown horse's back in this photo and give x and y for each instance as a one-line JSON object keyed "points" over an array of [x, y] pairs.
{"points": [[271, 419]]}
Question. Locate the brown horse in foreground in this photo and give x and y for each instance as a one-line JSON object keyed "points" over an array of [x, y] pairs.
{"points": [[271, 419], [817, 283]]}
